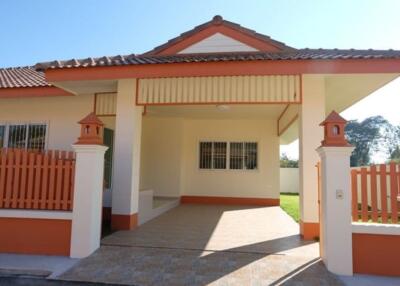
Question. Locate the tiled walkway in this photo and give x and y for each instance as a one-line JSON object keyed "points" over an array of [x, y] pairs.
{"points": [[207, 245]]}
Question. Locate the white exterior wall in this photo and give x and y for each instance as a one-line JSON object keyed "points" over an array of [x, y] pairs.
{"points": [[62, 114], [161, 159], [218, 43], [128, 131], [311, 114], [289, 180]]}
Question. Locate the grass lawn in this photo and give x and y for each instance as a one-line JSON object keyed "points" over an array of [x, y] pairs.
{"points": [[290, 204]]}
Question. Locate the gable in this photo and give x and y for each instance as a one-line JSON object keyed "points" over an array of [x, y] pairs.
{"points": [[218, 43], [219, 35]]}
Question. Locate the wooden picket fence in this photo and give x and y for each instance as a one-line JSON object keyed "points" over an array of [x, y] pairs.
{"points": [[375, 193], [38, 180]]}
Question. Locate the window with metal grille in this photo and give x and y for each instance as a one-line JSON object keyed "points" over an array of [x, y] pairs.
{"points": [[29, 136], [239, 155], [2, 135], [243, 155], [213, 155]]}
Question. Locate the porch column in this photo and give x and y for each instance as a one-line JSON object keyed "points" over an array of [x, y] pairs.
{"points": [[311, 114], [125, 187]]}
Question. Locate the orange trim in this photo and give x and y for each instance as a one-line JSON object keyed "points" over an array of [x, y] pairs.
{"points": [[280, 116], [95, 103], [309, 230], [288, 125], [229, 201], [32, 92], [269, 67], [376, 254], [124, 222], [35, 236], [137, 92], [216, 103], [209, 31]]}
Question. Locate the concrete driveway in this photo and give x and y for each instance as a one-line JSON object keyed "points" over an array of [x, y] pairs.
{"points": [[207, 245]]}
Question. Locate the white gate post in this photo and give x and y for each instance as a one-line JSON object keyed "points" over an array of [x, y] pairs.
{"points": [[335, 220], [88, 188]]}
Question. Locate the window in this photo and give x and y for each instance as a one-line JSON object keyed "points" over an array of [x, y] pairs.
{"points": [[30, 136], [239, 155], [2, 135], [213, 155], [243, 155]]}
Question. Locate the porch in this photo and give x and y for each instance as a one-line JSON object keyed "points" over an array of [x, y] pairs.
{"points": [[207, 245]]}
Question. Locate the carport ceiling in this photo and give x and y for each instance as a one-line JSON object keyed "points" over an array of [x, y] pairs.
{"points": [[233, 111]]}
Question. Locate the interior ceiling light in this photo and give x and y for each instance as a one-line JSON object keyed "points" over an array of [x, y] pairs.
{"points": [[222, 107]]}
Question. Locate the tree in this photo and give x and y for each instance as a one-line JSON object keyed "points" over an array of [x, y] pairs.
{"points": [[288, 163], [395, 155], [374, 134]]}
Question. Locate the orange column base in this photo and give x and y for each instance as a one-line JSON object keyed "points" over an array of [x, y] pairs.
{"points": [[124, 222], [309, 230]]}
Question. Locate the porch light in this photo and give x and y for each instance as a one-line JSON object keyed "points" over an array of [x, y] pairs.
{"points": [[222, 107], [91, 130], [334, 126]]}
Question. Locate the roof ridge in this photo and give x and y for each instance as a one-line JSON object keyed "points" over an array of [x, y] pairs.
{"points": [[218, 20]]}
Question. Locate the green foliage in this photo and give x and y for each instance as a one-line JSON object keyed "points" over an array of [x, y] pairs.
{"points": [[288, 163], [374, 134], [395, 155], [290, 204]]}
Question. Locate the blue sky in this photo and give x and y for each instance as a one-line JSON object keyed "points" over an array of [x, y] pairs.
{"points": [[43, 30]]}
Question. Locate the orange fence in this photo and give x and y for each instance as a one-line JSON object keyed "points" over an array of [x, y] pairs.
{"points": [[375, 193], [36, 180]]}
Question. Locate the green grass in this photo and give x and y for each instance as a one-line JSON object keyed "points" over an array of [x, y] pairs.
{"points": [[290, 204]]}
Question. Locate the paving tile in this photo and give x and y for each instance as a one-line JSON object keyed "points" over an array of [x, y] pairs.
{"points": [[207, 245]]}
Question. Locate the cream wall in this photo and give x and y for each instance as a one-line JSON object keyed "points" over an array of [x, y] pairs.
{"points": [[261, 183], [61, 113], [289, 180], [169, 162], [162, 140]]}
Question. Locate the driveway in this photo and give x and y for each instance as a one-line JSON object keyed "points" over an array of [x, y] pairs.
{"points": [[207, 245]]}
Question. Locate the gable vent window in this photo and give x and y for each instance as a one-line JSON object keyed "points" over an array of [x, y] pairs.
{"points": [[25, 136], [228, 155]]}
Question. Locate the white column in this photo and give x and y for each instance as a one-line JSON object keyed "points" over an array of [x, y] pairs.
{"points": [[336, 233], [88, 193], [311, 114], [125, 187]]}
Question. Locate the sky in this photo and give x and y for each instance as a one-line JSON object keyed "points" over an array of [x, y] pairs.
{"points": [[44, 30]]}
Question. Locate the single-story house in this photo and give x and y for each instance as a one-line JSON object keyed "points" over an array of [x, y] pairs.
{"points": [[199, 118]]}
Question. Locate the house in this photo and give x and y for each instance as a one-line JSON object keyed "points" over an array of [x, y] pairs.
{"points": [[199, 118]]}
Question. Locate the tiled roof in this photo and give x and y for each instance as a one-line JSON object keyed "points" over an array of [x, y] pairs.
{"points": [[301, 54], [22, 77], [218, 20]]}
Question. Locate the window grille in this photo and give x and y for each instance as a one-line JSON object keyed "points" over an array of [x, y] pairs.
{"points": [[2, 135], [239, 155], [23, 136]]}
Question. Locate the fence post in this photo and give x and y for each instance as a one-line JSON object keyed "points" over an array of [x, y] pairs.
{"points": [[88, 188], [335, 221]]}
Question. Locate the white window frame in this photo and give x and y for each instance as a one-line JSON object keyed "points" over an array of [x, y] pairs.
{"points": [[7, 125], [228, 155]]}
